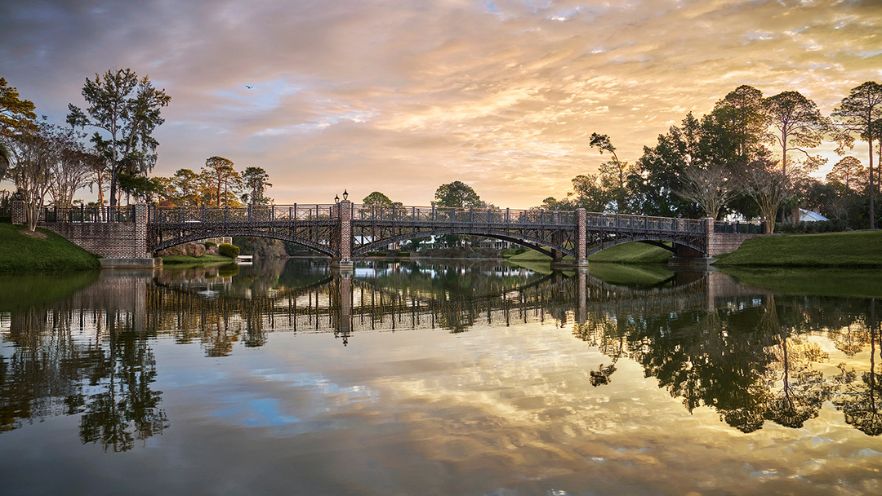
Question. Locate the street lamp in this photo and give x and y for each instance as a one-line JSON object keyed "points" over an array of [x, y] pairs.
{"points": [[345, 195], [336, 199]]}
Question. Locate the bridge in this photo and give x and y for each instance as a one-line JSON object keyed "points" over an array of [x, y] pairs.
{"points": [[346, 230]]}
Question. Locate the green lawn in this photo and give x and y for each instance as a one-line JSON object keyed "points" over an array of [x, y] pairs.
{"points": [[22, 251], [640, 253], [848, 249]]}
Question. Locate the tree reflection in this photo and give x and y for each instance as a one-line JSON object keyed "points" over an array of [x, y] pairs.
{"points": [[859, 400], [107, 379]]}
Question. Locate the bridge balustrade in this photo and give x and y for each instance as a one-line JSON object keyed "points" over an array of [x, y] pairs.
{"points": [[87, 215], [252, 214], [447, 215], [739, 227], [644, 223]]}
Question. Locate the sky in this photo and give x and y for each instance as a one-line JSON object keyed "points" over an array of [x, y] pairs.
{"points": [[402, 96]]}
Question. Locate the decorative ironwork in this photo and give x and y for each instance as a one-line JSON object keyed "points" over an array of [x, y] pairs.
{"points": [[343, 228]]}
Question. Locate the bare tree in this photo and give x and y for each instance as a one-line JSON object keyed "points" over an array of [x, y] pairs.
{"points": [[33, 154], [71, 169], [710, 187], [768, 187]]}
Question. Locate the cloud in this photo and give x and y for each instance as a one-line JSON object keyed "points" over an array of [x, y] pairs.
{"points": [[399, 97]]}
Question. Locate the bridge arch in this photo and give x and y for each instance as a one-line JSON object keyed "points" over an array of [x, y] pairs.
{"points": [[518, 238], [244, 233], [659, 241]]}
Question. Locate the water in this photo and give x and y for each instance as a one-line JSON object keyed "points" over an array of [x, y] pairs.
{"points": [[440, 378]]}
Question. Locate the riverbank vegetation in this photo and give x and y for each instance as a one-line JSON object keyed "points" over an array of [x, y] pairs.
{"points": [[191, 260], [846, 249], [632, 253], [24, 251]]}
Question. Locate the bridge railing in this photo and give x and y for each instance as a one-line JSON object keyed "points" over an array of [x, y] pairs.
{"points": [[250, 214], [644, 223], [739, 227], [448, 215], [87, 215]]}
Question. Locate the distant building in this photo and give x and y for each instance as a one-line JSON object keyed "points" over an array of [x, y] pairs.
{"points": [[811, 216]]}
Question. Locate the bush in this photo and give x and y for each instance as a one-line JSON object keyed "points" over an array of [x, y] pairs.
{"points": [[210, 244], [228, 250], [811, 227]]}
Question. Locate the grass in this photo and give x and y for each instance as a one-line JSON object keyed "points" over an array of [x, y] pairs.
{"points": [[636, 253], [188, 260], [846, 249], [811, 281], [43, 251], [641, 253]]}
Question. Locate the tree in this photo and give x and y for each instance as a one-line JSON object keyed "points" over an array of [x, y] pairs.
{"points": [[71, 167], [376, 199], [660, 170], [614, 173], [742, 115], [34, 153], [187, 188], [589, 194], [856, 114], [457, 195], [710, 187], [797, 121], [768, 187], [224, 177], [15, 114], [850, 173], [256, 181], [126, 110], [4, 160]]}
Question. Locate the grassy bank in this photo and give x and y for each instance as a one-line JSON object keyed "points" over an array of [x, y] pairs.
{"points": [[635, 253], [811, 281], [206, 259], [23, 251], [848, 249]]}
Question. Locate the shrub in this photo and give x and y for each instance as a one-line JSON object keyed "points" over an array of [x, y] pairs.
{"points": [[210, 244], [228, 250], [811, 227]]}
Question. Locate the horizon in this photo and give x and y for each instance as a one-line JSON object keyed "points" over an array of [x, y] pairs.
{"points": [[379, 97]]}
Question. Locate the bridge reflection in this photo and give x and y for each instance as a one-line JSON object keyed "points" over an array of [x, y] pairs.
{"points": [[750, 355]]}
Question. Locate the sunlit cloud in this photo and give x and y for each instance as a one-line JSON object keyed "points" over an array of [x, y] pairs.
{"points": [[400, 97]]}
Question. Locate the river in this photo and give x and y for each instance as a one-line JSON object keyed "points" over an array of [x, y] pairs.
{"points": [[436, 378]]}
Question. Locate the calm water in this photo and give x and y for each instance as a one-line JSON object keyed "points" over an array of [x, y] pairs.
{"points": [[443, 378]]}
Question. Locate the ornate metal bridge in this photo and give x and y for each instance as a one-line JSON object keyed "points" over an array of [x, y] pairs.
{"points": [[345, 230]]}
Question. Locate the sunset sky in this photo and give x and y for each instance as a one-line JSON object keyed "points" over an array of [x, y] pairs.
{"points": [[403, 96]]}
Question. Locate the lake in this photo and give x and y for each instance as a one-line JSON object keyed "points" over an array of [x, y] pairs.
{"points": [[439, 377]]}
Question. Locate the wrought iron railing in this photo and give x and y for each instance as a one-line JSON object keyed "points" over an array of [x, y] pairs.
{"points": [[88, 215], [463, 215], [739, 227], [627, 222], [251, 214]]}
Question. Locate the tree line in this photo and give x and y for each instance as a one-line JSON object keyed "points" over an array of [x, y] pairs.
{"points": [[750, 156], [109, 145]]}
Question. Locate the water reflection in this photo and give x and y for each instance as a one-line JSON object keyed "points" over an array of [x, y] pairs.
{"points": [[750, 355]]}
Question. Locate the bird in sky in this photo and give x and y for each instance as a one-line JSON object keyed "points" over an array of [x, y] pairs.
{"points": [[249, 86]]}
